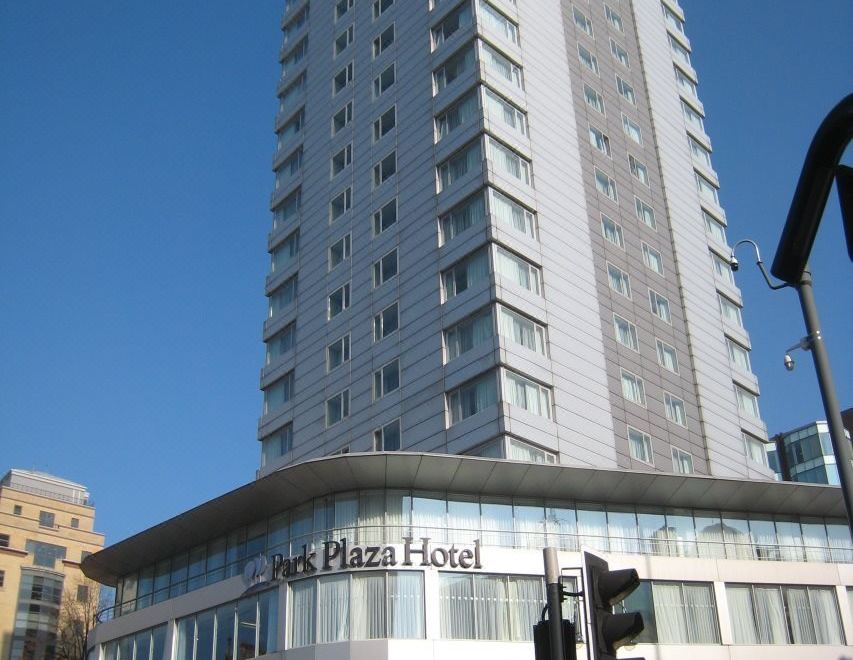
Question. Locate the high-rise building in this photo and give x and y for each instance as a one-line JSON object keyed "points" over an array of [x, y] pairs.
{"points": [[806, 454], [46, 530], [501, 317], [497, 231]]}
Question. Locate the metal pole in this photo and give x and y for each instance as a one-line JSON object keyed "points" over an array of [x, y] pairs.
{"points": [[840, 444], [555, 617]]}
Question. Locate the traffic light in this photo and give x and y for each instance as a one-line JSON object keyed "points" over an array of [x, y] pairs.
{"points": [[542, 640], [605, 588]]}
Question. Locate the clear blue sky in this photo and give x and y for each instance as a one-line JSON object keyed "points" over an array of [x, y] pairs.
{"points": [[135, 148]]}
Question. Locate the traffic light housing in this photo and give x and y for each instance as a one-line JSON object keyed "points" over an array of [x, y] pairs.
{"points": [[542, 640], [604, 589]]}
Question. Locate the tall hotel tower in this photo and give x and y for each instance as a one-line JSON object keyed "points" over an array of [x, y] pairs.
{"points": [[497, 231]]}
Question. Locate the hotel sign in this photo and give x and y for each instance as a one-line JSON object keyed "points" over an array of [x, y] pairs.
{"points": [[341, 555]]}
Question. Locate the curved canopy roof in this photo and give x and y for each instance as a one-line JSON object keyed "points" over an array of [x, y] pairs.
{"points": [[301, 482]]}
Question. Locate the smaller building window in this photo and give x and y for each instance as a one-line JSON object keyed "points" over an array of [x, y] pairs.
{"points": [[589, 60], [619, 53], [755, 449], [639, 171], [455, 66], [341, 159], [47, 519], [640, 445], [465, 274], [386, 322], [380, 7], [497, 21], [519, 271], [272, 447], [472, 397], [385, 217], [527, 394], [612, 232], [582, 22], [599, 141], [337, 353], [342, 79], [17, 510], [75, 523], [667, 357], [458, 165], [653, 259], [619, 280], [82, 593], [497, 63], [343, 40], [731, 311], [632, 129], [339, 300], [674, 409], [279, 393], [341, 8], [386, 379], [633, 388], [613, 18], [340, 251], [593, 99], [337, 408], [384, 169], [645, 213], [341, 118], [340, 204], [521, 330], [2, 578], [714, 228], [387, 438], [468, 333], [660, 306], [747, 402], [283, 296], [605, 185], [4, 540], [451, 24], [682, 462], [384, 41], [626, 91], [626, 333], [739, 355], [470, 212], [385, 123]]}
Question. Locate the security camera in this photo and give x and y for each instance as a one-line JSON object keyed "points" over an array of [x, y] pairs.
{"points": [[733, 262], [789, 362]]}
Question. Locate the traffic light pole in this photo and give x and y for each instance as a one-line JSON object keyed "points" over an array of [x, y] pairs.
{"points": [[552, 584]]}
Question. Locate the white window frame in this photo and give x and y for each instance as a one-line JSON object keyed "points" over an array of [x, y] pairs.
{"points": [[653, 259], [588, 60], [682, 461], [624, 279], [345, 301], [380, 222], [667, 353], [380, 321], [638, 385], [634, 341], [606, 185], [385, 123], [382, 388], [645, 440], [341, 344], [617, 231], [655, 306], [675, 410], [385, 268], [342, 245], [344, 397]]}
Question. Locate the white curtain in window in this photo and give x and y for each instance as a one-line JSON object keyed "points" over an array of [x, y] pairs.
{"points": [[368, 606], [740, 611], [526, 394], [346, 517], [457, 606], [302, 613], [710, 537], [371, 517], [497, 524], [463, 521], [511, 213], [498, 62], [406, 605], [592, 529], [525, 606], [700, 614], [800, 615], [518, 329], [491, 607], [529, 526], [506, 159], [770, 615], [825, 615], [333, 608], [429, 518], [672, 628]]}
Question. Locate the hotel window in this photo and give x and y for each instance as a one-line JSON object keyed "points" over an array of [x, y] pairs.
{"points": [[385, 123], [619, 53], [626, 333], [385, 268], [288, 169], [593, 99], [457, 19], [17, 510], [645, 213], [295, 23], [337, 408], [714, 228], [707, 190], [470, 212], [339, 300], [468, 333], [784, 614], [384, 169], [672, 19], [458, 114], [380, 7], [633, 388], [4, 540], [674, 409], [457, 65], [675, 612], [288, 210], [340, 204], [337, 353], [386, 322], [341, 8], [497, 607], [612, 232], [386, 379], [383, 41], [459, 164], [387, 438], [512, 214], [730, 311], [681, 53], [281, 343], [638, 170], [383, 81], [385, 217], [739, 355], [755, 449], [626, 91], [682, 462], [525, 393], [341, 159], [583, 23], [370, 605], [291, 128], [2, 579], [278, 394], [632, 129], [660, 306], [466, 273], [521, 330], [588, 59], [640, 445], [499, 108], [693, 118], [343, 40], [599, 141], [613, 18], [605, 185], [700, 153], [653, 259], [340, 251], [45, 555], [500, 65], [747, 402], [619, 280], [272, 447], [282, 297], [722, 269], [294, 57], [472, 397], [685, 84], [518, 270], [342, 79], [667, 357], [498, 22], [292, 93], [47, 519]]}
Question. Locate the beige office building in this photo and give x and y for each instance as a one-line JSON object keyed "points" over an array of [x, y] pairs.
{"points": [[46, 529]]}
